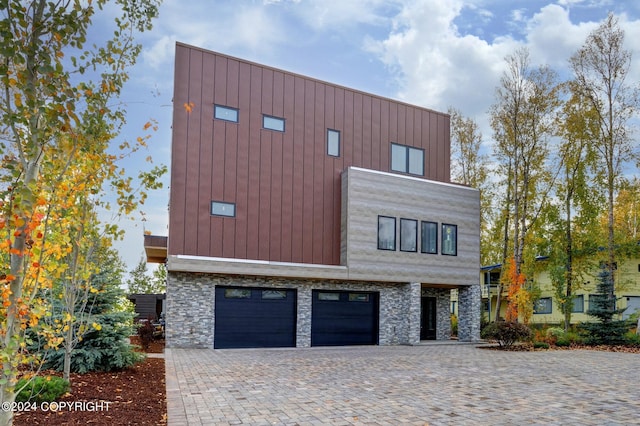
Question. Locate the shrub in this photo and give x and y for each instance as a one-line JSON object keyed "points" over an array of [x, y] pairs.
{"points": [[540, 345], [506, 333], [454, 325], [41, 389], [145, 333]]}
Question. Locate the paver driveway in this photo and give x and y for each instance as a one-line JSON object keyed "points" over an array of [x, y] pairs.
{"points": [[432, 384]]}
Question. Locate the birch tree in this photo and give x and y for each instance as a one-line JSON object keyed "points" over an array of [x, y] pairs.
{"points": [[57, 104], [601, 67]]}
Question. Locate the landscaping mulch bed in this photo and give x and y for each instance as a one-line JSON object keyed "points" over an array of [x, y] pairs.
{"points": [[135, 396], [525, 347]]}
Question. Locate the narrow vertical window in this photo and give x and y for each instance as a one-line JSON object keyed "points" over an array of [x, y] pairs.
{"points": [[386, 233], [449, 239], [333, 143], [429, 237], [408, 235]]}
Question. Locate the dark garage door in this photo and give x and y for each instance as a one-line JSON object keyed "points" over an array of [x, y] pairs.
{"points": [[344, 318], [254, 318]]}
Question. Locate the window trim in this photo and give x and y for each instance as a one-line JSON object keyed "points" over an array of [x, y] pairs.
{"points": [[227, 108], [273, 117], [415, 240], [395, 233], [407, 160], [422, 232], [455, 243], [223, 204], [337, 132]]}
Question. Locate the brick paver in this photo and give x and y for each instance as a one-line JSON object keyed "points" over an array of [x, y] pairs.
{"points": [[412, 385]]}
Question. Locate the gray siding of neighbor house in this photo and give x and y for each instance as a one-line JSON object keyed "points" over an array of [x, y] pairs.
{"points": [[191, 301], [366, 194]]}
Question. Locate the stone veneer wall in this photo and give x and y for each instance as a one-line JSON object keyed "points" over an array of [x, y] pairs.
{"points": [[443, 311], [469, 313], [190, 319]]}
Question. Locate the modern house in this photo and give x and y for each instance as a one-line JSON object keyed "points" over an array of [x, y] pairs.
{"points": [[546, 309], [303, 213]]}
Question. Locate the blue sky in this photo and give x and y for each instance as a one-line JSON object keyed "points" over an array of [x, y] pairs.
{"points": [[432, 53]]}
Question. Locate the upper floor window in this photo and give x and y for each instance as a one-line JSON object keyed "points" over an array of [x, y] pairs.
{"points": [[429, 237], [225, 113], [219, 208], [408, 235], [449, 239], [406, 159], [273, 123], [386, 233], [578, 303], [333, 143]]}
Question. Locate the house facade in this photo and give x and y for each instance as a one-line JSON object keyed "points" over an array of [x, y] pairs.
{"points": [[303, 213], [546, 308]]}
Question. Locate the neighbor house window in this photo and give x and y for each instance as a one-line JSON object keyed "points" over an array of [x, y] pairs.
{"points": [[408, 235], [406, 159], [219, 208], [429, 237], [273, 123], [225, 113], [386, 233], [543, 306], [449, 239], [333, 143], [578, 303]]}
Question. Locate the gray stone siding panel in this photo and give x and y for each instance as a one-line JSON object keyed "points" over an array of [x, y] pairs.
{"points": [[190, 307], [469, 313]]}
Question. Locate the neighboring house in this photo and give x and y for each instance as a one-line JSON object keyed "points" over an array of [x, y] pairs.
{"points": [[546, 309], [303, 213]]}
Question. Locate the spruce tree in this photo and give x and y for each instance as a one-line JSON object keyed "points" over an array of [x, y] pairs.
{"points": [[602, 305]]}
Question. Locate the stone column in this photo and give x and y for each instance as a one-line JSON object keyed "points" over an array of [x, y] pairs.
{"points": [[414, 312], [303, 327], [469, 305]]}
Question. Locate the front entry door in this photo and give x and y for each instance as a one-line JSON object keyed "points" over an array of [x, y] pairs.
{"points": [[428, 319]]}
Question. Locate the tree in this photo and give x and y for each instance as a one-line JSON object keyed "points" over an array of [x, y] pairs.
{"points": [[104, 344], [600, 70], [141, 283], [578, 200], [523, 121], [602, 306], [57, 108], [471, 167]]}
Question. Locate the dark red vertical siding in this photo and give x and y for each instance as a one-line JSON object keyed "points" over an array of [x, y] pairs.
{"points": [[285, 186]]}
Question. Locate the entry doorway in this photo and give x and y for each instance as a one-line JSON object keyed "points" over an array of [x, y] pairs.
{"points": [[428, 318]]}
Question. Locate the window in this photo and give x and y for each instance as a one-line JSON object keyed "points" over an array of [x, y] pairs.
{"points": [[406, 159], [334, 297], [386, 233], [543, 306], [453, 307], [274, 294], [333, 143], [273, 123], [578, 303], [358, 297], [219, 208], [408, 235], [225, 113], [449, 239], [237, 293], [429, 235]]}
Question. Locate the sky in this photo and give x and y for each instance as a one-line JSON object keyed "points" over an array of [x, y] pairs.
{"points": [[432, 53]]}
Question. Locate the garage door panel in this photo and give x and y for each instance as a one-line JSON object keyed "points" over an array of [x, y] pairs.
{"points": [[344, 318], [255, 317]]}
